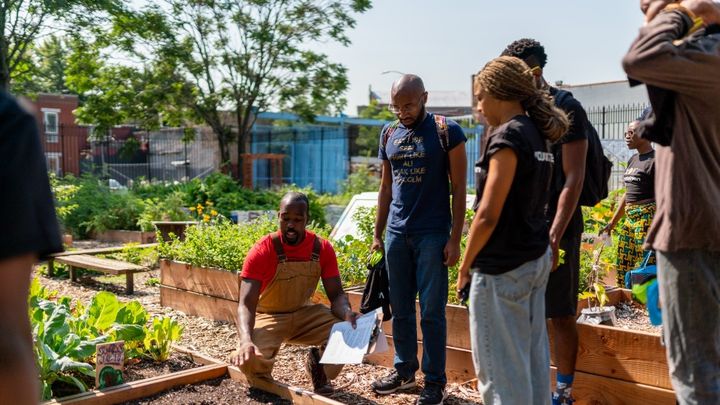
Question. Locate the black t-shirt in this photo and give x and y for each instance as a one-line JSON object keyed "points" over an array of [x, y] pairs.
{"points": [[639, 177], [27, 214], [578, 131], [521, 234]]}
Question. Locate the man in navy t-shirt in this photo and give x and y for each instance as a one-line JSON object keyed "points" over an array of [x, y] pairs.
{"points": [[424, 162]]}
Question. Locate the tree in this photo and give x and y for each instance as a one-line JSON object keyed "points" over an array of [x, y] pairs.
{"points": [[247, 56], [368, 139], [112, 94], [44, 68], [24, 21]]}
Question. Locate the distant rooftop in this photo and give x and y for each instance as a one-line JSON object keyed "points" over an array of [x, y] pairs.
{"points": [[436, 98]]}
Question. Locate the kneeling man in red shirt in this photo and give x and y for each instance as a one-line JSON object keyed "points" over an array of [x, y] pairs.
{"points": [[279, 276]]}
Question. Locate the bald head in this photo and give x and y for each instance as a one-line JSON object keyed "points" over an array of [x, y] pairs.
{"points": [[408, 97], [294, 198], [410, 85]]}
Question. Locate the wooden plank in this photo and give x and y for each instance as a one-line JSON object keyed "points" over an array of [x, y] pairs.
{"points": [[458, 367], [144, 388], [632, 356], [457, 318], [102, 250], [117, 235], [590, 389], [213, 282], [615, 296], [295, 394], [100, 264], [192, 303]]}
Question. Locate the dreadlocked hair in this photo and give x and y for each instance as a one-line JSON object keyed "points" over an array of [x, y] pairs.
{"points": [[510, 79], [526, 47]]}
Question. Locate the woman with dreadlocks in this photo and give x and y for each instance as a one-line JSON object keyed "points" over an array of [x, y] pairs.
{"points": [[508, 247]]}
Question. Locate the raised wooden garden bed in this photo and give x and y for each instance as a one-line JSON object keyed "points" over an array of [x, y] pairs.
{"points": [[145, 387], [614, 366], [124, 236], [210, 369], [200, 291]]}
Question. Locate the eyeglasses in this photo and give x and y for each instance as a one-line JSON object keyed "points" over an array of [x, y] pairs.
{"points": [[396, 109]]}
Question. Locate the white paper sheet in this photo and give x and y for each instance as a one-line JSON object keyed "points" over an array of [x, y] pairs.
{"points": [[347, 345]]}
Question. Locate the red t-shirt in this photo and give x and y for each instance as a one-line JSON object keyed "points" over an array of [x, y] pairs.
{"points": [[261, 261]]}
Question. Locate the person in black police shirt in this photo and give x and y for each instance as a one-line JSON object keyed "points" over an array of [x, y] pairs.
{"points": [[508, 248], [29, 231], [637, 205]]}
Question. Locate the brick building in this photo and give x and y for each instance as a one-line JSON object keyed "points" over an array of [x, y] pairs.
{"points": [[63, 140]]}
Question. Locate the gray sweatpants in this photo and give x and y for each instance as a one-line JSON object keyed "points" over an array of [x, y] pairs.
{"points": [[690, 300]]}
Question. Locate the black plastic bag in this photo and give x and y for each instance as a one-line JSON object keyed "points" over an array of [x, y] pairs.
{"points": [[377, 290]]}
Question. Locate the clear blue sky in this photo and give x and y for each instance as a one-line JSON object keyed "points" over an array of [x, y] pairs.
{"points": [[446, 41]]}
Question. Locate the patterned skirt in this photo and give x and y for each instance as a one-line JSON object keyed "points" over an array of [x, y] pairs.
{"points": [[631, 236]]}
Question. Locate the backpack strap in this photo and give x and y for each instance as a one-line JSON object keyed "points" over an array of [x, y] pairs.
{"points": [[442, 131], [388, 131], [316, 249], [279, 251]]}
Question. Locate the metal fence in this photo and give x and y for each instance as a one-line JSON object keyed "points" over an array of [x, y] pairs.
{"points": [[611, 123], [160, 155]]}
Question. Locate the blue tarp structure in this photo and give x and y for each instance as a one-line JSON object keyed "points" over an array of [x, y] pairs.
{"points": [[317, 155]]}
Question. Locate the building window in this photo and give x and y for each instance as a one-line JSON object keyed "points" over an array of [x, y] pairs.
{"points": [[50, 120], [54, 162]]}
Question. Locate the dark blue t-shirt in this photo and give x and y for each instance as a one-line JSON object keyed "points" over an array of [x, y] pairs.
{"points": [[420, 176]]}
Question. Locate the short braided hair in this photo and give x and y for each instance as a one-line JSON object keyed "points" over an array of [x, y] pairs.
{"points": [[510, 79], [526, 47]]}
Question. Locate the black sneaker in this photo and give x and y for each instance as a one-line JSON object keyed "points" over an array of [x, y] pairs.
{"points": [[317, 373], [393, 382], [432, 394]]}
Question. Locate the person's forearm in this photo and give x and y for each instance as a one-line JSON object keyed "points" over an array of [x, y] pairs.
{"points": [[618, 213], [567, 203], [383, 209], [246, 324], [655, 60], [458, 211], [340, 306]]}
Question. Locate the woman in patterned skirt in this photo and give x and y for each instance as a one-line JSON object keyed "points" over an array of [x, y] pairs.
{"points": [[637, 205]]}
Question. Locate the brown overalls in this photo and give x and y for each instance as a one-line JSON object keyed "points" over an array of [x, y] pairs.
{"points": [[286, 315]]}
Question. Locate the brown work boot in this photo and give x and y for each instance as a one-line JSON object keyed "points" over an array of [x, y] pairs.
{"points": [[317, 373]]}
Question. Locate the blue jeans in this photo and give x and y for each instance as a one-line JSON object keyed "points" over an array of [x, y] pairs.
{"points": [[415, 265], [690, 298], [509, 335]]}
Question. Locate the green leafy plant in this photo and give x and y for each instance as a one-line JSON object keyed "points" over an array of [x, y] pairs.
{"points": [[221, 245], [130, 253], [152, 282], [595, 290], [65, 336], [171, 207], [159, 338]]}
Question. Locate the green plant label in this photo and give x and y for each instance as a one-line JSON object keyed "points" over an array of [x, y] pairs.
{"points": [[109, 364]]}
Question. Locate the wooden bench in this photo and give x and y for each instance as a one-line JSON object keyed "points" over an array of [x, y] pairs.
{"points": [[83, 259]]}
